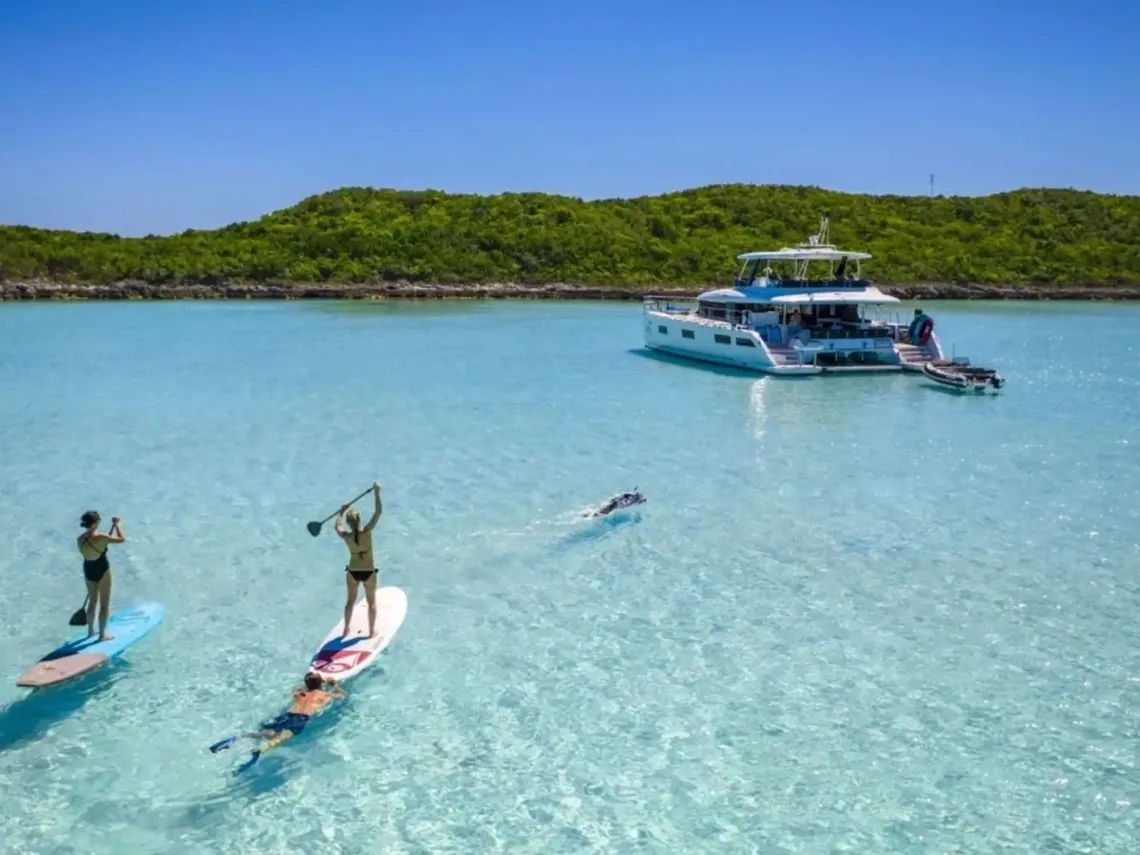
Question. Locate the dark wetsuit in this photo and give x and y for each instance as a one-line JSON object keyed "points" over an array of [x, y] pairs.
{"points": [[625, 500], [95, 569]]}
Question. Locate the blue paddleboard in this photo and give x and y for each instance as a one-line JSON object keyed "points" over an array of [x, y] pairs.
{"points": [[83, 652]]}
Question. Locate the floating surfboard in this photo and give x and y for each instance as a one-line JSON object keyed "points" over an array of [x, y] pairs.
{"points": [[342, 658], [83, 652]]}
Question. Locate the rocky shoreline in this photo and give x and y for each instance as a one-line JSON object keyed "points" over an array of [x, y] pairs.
{"points": [[43, 290]]}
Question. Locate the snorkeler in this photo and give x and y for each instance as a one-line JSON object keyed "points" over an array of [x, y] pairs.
{"points": [[308, 700], [622, 500]]}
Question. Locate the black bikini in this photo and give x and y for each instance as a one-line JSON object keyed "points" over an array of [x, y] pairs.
{"points": [[95, 569], [359, 575]]}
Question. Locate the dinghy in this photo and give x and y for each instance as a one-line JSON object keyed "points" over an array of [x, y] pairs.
{"points": [[960, 375]]}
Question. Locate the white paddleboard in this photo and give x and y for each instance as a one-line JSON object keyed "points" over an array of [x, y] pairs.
{"points": [[343, 658]]}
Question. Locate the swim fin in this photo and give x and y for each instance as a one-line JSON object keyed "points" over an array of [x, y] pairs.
{"points": [[223, 744]]}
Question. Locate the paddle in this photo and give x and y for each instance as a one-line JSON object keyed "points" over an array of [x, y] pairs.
{"points": [[80, 617], [315, 527]]}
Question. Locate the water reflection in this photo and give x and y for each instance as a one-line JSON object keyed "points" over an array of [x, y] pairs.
{"points": [[756, 409], [30, 718], [682, 362], [596, 528]]}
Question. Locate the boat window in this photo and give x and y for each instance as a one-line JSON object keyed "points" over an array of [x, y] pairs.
{"points": [[748, 273], [722, 339], [686, 333], [661, 328], [746, 342], [712, 310]]}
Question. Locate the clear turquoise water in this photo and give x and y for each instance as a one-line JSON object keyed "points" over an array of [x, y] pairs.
{"points": [[858, 614]]}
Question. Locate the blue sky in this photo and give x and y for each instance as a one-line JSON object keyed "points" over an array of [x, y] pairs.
{"points": [[153, 117]]}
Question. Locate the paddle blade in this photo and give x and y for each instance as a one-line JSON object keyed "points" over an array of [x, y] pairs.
{"points": [[314, 528], [79, 618]]}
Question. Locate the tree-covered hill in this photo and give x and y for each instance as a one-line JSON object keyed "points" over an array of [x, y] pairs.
{"points": [[1041, 237]]}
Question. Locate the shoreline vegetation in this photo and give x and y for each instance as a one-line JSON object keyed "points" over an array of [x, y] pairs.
{"points": [[362, 243], [40, 291]]}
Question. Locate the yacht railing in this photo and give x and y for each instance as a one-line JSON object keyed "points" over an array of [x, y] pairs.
{"points": [[668, 305]]}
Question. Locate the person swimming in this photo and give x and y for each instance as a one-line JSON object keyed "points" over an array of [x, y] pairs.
{"points": [[311, 698], [97, 568], [622, 500], [308, 700], [361, 568]]}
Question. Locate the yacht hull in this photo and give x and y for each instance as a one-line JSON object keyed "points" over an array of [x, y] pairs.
{"points": [[686, 337]]}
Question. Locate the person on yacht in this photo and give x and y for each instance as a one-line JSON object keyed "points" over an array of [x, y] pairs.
{"points": [[915, 328]]}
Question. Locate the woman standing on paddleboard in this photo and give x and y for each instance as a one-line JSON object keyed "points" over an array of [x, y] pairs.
{"points": [[93, 547], [361, 567]]}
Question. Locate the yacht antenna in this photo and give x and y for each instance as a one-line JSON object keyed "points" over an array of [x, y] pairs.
{"points": [[817, 240]]}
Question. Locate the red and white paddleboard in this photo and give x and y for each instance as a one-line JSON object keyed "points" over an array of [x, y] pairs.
{"points": [[342, 658]]}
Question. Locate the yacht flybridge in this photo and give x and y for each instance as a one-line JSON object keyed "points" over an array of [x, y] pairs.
{"points": [[801, 322]]}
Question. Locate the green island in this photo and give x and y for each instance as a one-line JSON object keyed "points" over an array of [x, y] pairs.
{"points": [[360, 242]]}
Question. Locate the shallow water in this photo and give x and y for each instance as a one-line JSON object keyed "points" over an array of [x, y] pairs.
{"points": [[857, 614]]}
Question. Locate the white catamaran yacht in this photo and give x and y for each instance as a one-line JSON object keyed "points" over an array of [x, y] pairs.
{"points": [[796, 323]]}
